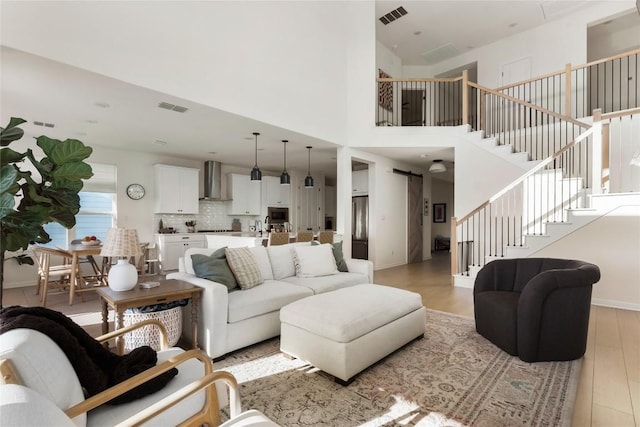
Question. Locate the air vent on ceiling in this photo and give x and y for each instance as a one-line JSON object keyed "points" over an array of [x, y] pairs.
{"points": [[172, 107], [440, 54], [393, 15], [47, 125]]}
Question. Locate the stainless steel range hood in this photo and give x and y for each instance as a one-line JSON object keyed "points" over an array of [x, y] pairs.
{"points": [[212, 180]]}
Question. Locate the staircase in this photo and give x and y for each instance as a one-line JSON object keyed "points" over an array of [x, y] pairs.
{"points": [[552, 199]]}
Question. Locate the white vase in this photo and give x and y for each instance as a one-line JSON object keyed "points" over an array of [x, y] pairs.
{"points": [[123, 276]]}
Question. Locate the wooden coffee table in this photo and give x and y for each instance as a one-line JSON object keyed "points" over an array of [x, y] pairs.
{"points": [[168, 291]]}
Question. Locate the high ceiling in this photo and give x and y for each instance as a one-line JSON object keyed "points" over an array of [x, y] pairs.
{"points": [[102, 111]]}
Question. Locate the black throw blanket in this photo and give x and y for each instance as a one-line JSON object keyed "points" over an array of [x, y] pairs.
{"points": [[97, 367]]}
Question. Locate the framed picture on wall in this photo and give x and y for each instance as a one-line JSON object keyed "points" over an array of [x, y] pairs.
{"points": [[439, 212]]}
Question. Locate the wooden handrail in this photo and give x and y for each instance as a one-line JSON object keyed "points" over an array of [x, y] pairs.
{"points": [[573, 68], [610, 58], [530, 105], [530, 172], [436, 80], [621, 113]]}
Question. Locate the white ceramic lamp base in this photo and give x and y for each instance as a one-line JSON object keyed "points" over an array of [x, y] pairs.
{"points": [[123, 276]]}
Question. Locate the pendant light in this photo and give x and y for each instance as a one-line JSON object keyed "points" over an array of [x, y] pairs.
{"points": [[256, 173], [308, 181], [285, 179]]}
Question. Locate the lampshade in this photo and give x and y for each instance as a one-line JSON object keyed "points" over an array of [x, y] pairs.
{"points": [[437, 167], [308, 181], [285, 179], [256, 173], [122, 242]]}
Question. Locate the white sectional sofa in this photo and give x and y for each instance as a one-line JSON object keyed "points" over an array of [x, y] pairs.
{"points": [[229, 320]]}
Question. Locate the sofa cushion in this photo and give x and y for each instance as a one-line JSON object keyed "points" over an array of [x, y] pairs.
{"points": [[215, 268], [188, 264], [337, 254], [270, 296], [328, 283], [314, 261], [43, 367], [262, 259], [281, 257]]}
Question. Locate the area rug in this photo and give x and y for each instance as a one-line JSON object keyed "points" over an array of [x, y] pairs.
{"points": [[451, 377]]}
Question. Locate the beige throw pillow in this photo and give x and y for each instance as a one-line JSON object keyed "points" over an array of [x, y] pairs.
{"points": [[314, 261], [244, 267]]}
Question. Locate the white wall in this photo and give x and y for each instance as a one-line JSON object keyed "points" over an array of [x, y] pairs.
{"points": [[257, 59], [551, 46], [619, 285]]}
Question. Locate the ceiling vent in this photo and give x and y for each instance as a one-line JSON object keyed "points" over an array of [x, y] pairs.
{"points": [[47, 125], [172, 107], [440, 54], [393, 15]]}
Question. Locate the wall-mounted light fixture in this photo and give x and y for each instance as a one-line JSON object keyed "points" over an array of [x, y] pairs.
{"points": [[437, 167]]}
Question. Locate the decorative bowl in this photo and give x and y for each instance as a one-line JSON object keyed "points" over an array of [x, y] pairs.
{"points": [[91, 242]]}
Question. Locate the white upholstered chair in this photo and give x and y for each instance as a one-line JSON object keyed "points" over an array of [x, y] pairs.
{"points": [[40, 387]]}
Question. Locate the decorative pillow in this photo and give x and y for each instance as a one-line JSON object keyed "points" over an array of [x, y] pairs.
{"points": [[262, 259], [281, 258], [314, 261], [337, 254], [244, 267], [214, 267]]}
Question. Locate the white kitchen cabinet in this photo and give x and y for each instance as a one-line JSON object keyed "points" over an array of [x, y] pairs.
{"points": [[275, 194], [330, 201], [173, 246], [244, 195], [176, 189], [360, 182]]}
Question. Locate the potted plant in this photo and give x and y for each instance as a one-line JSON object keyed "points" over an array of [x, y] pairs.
{"points": [[36, 192]]}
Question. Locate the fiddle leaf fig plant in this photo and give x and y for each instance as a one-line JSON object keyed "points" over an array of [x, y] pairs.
{"points": [[36, 192]]}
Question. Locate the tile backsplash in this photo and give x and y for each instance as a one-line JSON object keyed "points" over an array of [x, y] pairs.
{"points": [[212, 216]]}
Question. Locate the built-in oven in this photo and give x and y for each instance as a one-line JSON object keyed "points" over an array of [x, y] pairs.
{"points": [[278, 215]]}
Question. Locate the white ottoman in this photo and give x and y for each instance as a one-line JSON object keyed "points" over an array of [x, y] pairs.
{"points": [[347, 330]]}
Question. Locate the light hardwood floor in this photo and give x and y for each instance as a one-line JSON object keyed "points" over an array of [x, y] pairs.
{"points": [[609, 389]]}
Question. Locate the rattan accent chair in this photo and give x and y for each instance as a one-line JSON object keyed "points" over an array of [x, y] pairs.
{"points": [[53, 279]]}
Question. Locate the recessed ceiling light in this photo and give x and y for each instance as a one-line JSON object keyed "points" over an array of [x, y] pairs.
{"points": [[423, 156], [102, 105]]}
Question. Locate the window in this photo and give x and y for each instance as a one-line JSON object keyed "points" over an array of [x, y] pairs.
{"points": [[97, 209]]}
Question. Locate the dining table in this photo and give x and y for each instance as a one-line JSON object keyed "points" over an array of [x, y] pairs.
{"points": [[76, 252]]}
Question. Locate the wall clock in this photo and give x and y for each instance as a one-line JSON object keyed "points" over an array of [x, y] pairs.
{"points": [[135, 191]]}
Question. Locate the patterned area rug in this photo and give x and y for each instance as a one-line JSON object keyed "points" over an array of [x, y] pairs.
{"points": [[452, 377]]}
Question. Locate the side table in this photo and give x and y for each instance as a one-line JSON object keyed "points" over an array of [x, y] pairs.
{"points": [[168, 291]]}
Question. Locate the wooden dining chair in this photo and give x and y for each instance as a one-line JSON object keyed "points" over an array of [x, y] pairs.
{"points": [[279, 238], [325, 236], [53, 279], [304, 236]]}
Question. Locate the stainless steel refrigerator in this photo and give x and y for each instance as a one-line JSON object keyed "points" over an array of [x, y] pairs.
{"points": [[360, 227]]}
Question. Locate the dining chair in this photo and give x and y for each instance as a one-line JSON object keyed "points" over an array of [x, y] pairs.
{"points": [[56, 277], [279, 238], [304, 236], [325, 236]]}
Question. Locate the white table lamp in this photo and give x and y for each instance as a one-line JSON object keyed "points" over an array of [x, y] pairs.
{"points": [[122, 243]]}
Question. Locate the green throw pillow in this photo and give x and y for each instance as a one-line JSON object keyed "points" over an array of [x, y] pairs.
{"points": [[215, 268], [338, 255]]}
